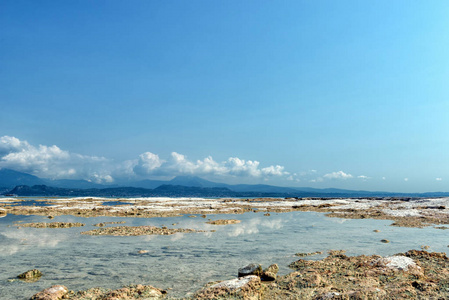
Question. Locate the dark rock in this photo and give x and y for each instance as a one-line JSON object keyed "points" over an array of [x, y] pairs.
{"points": [[251, 269]]}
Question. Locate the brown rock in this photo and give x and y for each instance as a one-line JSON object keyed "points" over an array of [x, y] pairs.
{"points": [[223, 222], [248, 287], [55, 292], [31, 275]]}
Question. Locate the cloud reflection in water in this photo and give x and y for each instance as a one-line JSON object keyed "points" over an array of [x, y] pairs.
{"points": [[16, 240], [252, 226]]}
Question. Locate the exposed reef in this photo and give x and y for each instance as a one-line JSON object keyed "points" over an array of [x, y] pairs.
{"points": [[138, 230], [51, 225], [223, 222], [403, 212]]}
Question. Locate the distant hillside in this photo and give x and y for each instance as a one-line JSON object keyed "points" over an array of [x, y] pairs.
{"points": [[10, 178], [13, 182]]}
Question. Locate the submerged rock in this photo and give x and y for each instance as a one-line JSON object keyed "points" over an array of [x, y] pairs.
{"points": [[55, 292], [30, 276]]}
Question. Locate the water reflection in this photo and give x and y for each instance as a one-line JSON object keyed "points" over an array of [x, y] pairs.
{"points": [[81, 262], [13, 240], [252, 226]]}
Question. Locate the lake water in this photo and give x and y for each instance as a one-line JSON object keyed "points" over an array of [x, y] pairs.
{"points": [[183, 263]]}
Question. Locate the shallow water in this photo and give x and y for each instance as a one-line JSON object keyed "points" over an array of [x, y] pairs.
{"points": [[185, 262]]}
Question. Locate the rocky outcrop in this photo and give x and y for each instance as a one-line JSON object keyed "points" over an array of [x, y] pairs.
{"points": [[138, 230], [108, 223], [223, 222], [55, 292], [52, 225], [30, 276]]}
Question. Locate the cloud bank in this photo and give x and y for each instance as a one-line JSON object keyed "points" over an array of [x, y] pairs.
{"points": [[51, 161], [55, 163]]}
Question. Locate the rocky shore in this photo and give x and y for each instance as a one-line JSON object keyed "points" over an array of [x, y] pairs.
{"points": [[405, 212], [411, 275]]}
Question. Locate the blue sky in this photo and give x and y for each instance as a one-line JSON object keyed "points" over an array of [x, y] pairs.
{"points": [[348, 94]]}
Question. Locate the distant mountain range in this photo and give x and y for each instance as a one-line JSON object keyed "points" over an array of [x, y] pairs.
{"points": [[23, 184]]}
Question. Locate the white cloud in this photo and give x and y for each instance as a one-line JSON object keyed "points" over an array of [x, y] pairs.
{"points": [[338, 175], [56, 163], [147, 163], [438, 179], [239, 167], [405, 179], [9, 144], [51, 161], [274, 171], [363, 177]]}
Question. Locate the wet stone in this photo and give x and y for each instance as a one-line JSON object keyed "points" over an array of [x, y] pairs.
{"points": [[30, 276], [251, 269]]}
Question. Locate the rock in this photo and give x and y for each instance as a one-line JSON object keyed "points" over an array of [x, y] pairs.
{"points": [[143, 251], [251, 269], [55, 292], [52, 225], [376, 230], [139, 291], [223, 222], [385, 241], [401, 263], [31, 275], [268, 276], [329, 295], [274, 268], [248, 287]]}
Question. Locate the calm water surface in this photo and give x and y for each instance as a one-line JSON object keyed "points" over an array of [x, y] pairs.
{"points": [[185, 262]]}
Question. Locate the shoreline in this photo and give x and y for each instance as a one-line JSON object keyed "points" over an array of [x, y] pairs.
{"points": [[413, 274], [405, 212], [335, 277]]}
